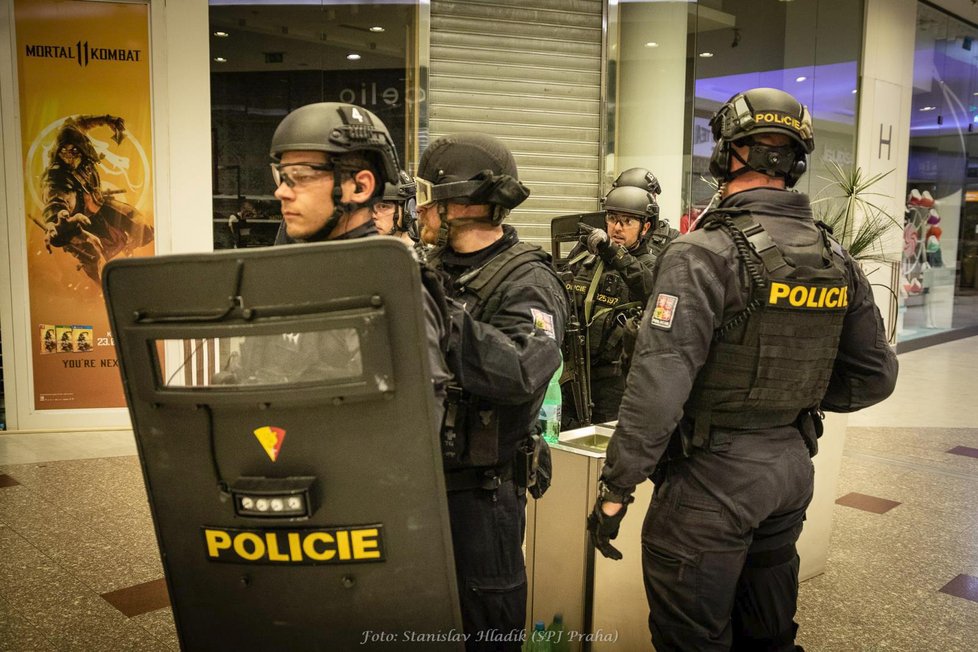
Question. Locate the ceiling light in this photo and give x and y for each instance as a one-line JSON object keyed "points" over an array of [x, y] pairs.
{"points": [[651, 44], [800, 79], [855, 90], [221, 34], [706, 55], [928, 108], [377, 28], [220, 59], [353, 56]]}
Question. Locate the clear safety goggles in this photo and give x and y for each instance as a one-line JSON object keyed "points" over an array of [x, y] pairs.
{"points": [[383, 208], [298, 174], [621, 219]]}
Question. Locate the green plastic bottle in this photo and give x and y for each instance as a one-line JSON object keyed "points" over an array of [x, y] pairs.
{"points": [[537, 640], [558, 637], [550, 410]]}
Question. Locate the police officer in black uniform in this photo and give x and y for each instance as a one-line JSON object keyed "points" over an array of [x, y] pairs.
{"points": [[394, 215], [332, 164], [758, 319], [663, 233], [612, 280], [507, 320]]}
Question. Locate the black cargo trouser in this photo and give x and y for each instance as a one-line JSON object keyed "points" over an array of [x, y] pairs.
{"points": [[487, 537], [719, 557]]}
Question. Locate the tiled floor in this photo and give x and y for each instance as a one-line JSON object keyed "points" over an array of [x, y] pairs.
{"points": [[902, 572], [79, 568]]}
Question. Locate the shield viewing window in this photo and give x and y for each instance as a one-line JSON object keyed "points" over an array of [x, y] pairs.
{"points": [[274, 359]]}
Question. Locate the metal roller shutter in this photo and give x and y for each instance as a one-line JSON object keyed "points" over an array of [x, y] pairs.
{"points": [[528, 72]]}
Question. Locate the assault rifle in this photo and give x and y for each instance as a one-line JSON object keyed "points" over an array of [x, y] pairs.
{"points": [[576, 362]]}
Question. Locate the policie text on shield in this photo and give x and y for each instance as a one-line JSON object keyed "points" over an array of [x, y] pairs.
{"points": [[286, 428]]}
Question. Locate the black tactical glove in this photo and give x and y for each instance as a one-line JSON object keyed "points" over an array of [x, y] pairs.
{"points": [[599, 243], [604, 528], [596, 241]]}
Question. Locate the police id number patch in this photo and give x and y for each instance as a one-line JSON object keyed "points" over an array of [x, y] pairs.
{"points": [[664, 311], [543, 321], [337, 545]]}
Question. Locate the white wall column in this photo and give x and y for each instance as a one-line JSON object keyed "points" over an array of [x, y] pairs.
{"points": [[652, 96], [883, 128]]}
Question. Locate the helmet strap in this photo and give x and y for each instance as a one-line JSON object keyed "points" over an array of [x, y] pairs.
{"points": [[744, 170], [341, 208], [398, 215], [338, 208], [498, 215], [448, 226], [442, 240]]}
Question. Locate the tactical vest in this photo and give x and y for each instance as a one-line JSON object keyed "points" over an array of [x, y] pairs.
{"points": [[600, 295], [661, 236], [774, 359], [470, 430]]}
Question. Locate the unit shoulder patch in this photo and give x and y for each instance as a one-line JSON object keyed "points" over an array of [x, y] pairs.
{"points": [[544, 321], [664, 311]]}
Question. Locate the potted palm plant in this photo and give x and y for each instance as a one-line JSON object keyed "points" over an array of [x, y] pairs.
{"points": [[849, 206]]}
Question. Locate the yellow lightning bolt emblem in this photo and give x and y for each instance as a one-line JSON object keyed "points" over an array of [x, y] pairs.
{"points": [[270, 439]]}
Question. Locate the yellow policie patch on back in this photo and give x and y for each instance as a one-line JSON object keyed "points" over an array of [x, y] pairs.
{"points": [[808, 297], [339, 545]]}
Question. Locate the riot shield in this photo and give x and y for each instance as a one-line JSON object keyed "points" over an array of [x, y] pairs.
{"points": [[291, 453], [564, 233]]}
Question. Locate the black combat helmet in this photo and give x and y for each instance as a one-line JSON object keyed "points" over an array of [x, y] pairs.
{"points": [[402, 190], [402, 193], [633, 201], [470, 169], [337, 128], [762, 111], [638, 178]]}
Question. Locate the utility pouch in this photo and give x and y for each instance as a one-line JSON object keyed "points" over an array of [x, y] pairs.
{"points": [[681, 443], [454, 436], [532, 467], [482, 434], [809, 424]]}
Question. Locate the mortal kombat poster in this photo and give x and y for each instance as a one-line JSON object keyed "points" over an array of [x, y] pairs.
{"points": [[86, 134]]}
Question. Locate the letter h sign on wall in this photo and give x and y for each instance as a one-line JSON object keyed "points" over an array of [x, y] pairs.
{"points": [[885, 141]]}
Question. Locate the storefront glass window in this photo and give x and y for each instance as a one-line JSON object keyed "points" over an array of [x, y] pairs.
{"points": [[939, 269], [268, 58], [674, 63]]}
